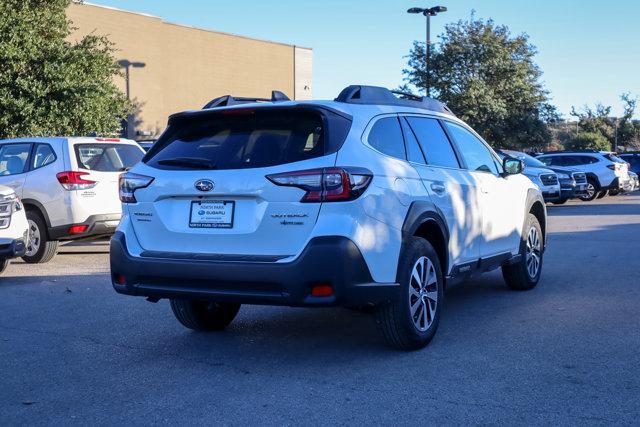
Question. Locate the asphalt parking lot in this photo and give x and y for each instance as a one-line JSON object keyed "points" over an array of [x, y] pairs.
{"points": [[73, 351]]}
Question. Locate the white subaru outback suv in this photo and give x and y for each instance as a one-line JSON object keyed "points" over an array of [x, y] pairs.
{"points": [[367, 200], [69, 187], [13, 227]]}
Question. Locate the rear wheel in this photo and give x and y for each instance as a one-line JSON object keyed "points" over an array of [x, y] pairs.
{"points": [[602, 194], [39, 248], [525, 274], [614, 192], [410, 322], [560, 202], [204, 316], [592, 190]]}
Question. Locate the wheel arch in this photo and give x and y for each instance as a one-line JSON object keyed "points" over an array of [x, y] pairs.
{"points": [[34, 205], [425, 220], [592, 176], [537, 207]]}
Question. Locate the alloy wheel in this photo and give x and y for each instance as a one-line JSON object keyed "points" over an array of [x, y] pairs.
{"points": [[33, 242], [591, 191], [534, 251], [423, 293]]}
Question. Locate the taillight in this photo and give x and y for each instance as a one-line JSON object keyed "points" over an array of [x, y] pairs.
{"points": [[74, 180], [129, 183], [327, 184]]}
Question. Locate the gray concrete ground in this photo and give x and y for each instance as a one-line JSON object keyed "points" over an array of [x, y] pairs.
{"points": [[73, 351]]}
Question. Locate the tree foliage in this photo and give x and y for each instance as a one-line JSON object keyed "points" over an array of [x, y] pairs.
{"points": [[488, 78], [599, 120], [588, 140], [49, 86]]}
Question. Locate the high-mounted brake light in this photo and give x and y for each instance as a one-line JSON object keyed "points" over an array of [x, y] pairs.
{"points": [[71, 180], [327, 184], [129, 183], [108, 139]]}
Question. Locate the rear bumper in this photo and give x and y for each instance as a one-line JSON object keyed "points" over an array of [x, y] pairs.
{"points": [[96, 225], [333, 260], [15, 249]]}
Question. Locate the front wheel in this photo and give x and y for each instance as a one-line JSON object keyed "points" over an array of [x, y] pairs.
{"points": [[591, 192], [525, 274], [203, 315], [560, 201], [39, 248], [411, 321]]}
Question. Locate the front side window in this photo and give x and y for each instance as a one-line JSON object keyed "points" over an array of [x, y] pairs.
{"points": [[13, 158], [386, 137], [477, 156], [107, 157], [434, 142], [43, 156]]}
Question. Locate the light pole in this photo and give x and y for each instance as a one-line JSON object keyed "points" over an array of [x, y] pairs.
{"points": [[428, 13], [126, 64]]}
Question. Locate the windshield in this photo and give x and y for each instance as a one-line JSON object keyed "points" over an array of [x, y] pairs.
{"points": [[527, 159], [107, 157], [247, 138]]}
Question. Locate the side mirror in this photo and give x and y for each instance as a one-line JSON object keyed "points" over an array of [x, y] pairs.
{"points": [[512, 166]]}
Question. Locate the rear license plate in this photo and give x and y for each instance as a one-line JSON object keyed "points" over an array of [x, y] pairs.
{"points": [[212, 214]]}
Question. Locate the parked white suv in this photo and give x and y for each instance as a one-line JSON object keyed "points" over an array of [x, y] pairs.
{"points": [[604, 170], [366, 200], [69, 186], [13, 227]]}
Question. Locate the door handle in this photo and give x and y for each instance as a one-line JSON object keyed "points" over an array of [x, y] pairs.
{"points": [[438, 188]]}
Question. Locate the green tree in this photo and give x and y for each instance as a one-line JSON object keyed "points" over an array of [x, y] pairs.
{"points": [[588, 140], [49, 86], [489, 79]]}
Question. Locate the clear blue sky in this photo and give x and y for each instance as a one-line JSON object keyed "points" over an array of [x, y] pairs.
{"points": [[589, 50]]}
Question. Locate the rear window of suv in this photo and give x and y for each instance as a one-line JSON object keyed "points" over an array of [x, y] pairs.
{"points": [[107, 157], [248, 138]]}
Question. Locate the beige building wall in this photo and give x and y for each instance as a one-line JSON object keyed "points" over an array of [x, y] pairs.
{"points": [[186, 67]]}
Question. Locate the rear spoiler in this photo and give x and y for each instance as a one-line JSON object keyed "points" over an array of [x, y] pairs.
{"points": [[229, 100]]}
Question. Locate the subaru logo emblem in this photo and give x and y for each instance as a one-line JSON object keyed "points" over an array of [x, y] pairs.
{"points": [[204, 185]]}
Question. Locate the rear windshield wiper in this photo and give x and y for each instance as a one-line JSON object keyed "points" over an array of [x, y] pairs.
{"points": [[188, 162]]}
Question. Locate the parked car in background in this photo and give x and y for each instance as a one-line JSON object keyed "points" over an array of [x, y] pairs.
{"points": [[69, 186], [147, 144], [633, 159], [14, 231], [635, 181], [573, 183], [367, 200], [546, 179], [604, 171]]}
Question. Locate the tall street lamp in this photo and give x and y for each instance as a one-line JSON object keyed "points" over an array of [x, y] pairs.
{"points": [[126, 64], [428, 13]]}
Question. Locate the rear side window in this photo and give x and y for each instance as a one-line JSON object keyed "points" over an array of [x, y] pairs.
{"points": [[13, 158], [42, 156], [386, 137], [107, 157], [434, 142], [248, 138]]}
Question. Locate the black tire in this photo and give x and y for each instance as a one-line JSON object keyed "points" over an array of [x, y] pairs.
{"points": [[560, 201], [592, 190], [396, 321], [45, 249], [203, 315], [518, 276], [602, 194], [614, 192], [4, 263]]}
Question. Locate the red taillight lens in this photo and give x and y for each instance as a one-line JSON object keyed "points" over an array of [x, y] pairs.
{"points": [[78, 229], [322, 291], [71, 180], [129, 183], [326, 185]]}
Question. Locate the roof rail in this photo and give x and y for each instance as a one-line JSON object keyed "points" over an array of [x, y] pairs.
{"points": [[229, 100], [359, 94]]}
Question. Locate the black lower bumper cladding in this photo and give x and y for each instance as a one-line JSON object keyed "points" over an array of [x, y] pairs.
{"points": [[326, 261], [15, 249]]}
